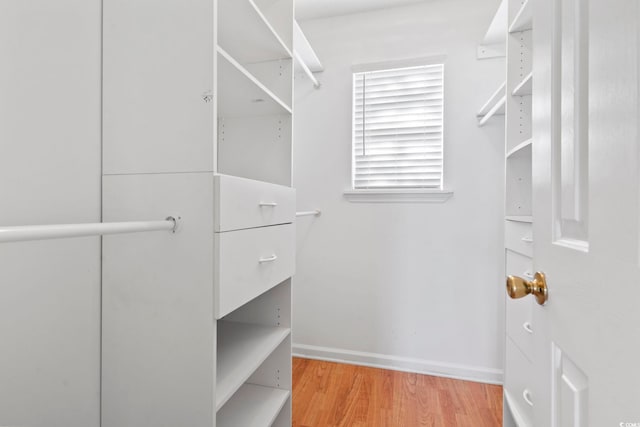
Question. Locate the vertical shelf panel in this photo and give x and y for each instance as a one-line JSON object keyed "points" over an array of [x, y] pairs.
{"points": [[157, 75]]}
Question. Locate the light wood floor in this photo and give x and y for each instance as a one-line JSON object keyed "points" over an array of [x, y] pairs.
{"points": [[333, 394]]}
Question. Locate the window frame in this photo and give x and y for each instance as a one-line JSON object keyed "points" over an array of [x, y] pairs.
{"points": [[391, 194]]}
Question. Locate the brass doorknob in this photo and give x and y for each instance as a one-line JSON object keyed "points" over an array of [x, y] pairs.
{"points": [[517, 287]]}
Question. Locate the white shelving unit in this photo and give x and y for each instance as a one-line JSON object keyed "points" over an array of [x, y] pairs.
{"points": [[519, 399], [197, 331], [512, 28]]}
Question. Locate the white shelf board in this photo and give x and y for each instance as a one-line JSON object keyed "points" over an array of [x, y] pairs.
{"points": [[252, 406], [495, 97], [525, 87], [304, 50], [246, 33], [497, 32], [519, 218], [495, 106], [520, 149], [523, 20], [242, 348], [240, 94]]}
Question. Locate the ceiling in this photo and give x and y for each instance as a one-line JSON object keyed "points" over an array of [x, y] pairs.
{"points": [[312, 9]]}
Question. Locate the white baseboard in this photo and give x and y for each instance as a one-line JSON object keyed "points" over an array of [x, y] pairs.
{"points": [[405, 364]]}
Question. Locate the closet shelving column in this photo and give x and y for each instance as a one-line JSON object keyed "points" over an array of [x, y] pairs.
{"points": [[197, 116], [519, 400], [255, 210]]}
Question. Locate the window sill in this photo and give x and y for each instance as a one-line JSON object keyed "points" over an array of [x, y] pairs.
{"points": [[398, 196]]}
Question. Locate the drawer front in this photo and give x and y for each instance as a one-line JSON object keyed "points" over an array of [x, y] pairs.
{"points": [[519, 311], [517, 385], [519, 237], [244, 203], [250, 262]]}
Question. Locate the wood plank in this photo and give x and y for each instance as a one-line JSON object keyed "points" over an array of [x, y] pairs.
{"points": [[334, 394]]}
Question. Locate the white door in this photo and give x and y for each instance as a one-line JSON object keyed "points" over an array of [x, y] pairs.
{"points": [[586, 188]]}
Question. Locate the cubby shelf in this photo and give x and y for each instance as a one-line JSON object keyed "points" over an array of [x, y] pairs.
{"points": [[495, 106], [242, 348], [247, 34], [252, 406], [520, 149], [523, 20], [241, 94]]}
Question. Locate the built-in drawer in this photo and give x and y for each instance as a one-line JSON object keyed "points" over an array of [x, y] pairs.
{"points": [[517, 385], [519, 237], [519, 311], [244, 203], [250, 262]]}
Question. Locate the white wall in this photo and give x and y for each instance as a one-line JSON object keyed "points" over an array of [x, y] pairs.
{"points": [[410, 286], [50, 173]]}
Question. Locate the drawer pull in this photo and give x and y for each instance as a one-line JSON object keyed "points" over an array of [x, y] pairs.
{"points": [[527, 327], [527, 239], [526, 395], [268, 259], [269, 204]]}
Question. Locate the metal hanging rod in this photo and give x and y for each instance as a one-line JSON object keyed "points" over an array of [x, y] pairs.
{"points": [[309, 213], [63, 231]]}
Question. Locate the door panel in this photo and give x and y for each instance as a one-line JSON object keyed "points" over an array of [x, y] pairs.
{"points": [[585, 208]]}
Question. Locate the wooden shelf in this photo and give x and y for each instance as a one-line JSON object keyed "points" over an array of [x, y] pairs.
{"points": [[241, 94], [523, 20], [520, 149], [252, 406], [525, 87], [247, 34], [495, 106], [519, 218], [242, 348]]}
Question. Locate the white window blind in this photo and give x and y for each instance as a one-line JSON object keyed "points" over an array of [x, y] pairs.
{"points": [[398, 128]]}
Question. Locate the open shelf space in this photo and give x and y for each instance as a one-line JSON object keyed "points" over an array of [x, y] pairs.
{"points": [[523, 20], [519, 218], [247, 34], [521, 149], [241, 94], [252, 406], [242, 348], [525, 87]]}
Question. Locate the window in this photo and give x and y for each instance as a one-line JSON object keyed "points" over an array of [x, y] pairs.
{"points": [[398, 128]]}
